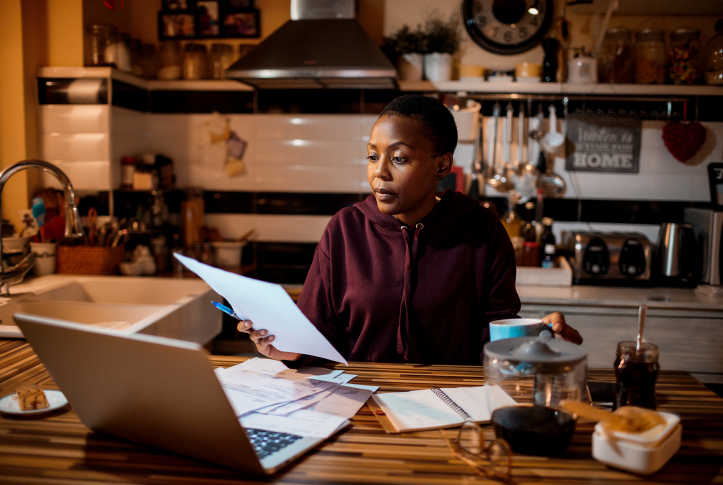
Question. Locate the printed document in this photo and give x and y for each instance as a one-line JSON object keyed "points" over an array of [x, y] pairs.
{"points": [[269, 307]]}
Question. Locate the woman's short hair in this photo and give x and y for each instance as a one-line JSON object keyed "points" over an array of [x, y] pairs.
{"points": [[434, 116]]}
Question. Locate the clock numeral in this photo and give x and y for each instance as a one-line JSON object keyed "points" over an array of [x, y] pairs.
{"points": [[534, 21], [507, 36], [481, 21], [476, 7], [522, 32]]}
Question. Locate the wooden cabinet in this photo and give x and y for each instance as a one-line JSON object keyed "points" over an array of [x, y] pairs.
{"points": [[688, 340]]}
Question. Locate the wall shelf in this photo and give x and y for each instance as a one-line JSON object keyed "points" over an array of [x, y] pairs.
{"points": [[562, 88]]}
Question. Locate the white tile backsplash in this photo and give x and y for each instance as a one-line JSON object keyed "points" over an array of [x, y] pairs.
{"points": [[270, 228], [75, 146], [64, 118]]}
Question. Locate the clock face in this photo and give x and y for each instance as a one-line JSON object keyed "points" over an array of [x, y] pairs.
{"points": [[506, 26]]}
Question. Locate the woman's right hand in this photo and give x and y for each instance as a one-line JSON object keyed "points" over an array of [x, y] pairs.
{"points": [[263, 342]]}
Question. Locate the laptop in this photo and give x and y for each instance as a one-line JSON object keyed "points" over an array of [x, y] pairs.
{"points": [[155, 391]]}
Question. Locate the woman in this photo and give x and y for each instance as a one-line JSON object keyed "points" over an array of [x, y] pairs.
{"points": [[406, 276]]}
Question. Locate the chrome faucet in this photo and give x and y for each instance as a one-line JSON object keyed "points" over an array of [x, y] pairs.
{"points": [[73, 225]]}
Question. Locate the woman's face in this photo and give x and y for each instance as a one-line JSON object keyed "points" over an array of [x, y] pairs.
{"points": [[402, 170]]}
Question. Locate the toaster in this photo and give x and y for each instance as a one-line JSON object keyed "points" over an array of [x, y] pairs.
{"points": [[610, 257]]}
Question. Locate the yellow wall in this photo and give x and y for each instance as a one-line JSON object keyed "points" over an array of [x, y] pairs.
{"points": [[12, 109]]}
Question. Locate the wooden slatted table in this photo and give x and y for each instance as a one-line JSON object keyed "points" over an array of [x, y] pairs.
{"points": [[58, 449]]}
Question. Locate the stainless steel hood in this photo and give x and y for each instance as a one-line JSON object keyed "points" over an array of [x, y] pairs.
{"points": [[322, 46]]}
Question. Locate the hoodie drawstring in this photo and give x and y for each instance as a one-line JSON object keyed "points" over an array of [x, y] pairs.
{"points": [[404, 330]]}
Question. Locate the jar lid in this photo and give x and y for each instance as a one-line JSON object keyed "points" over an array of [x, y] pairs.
{"points": [[191, 47], [101, 28], [619, 33], [543, 350], [530, 244], [685, 32], [222, 48], [547, 221], [650, 34]]}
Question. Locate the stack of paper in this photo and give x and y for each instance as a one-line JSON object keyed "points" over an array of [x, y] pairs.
{"points": [[310, 401]]}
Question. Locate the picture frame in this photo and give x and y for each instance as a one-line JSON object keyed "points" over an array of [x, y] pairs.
{"points": [[208, 18], [241, 23], [715, 181], [177, 25]]}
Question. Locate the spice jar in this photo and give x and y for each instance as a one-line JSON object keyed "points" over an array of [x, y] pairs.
{"points": [[169, 60], [713, 57], [192, 209], [123, 51], [650, 56], [136, 57], [99, 39], [635, 372], [684, 56], [222, 57], [195, 61], [128, 170], [616, 58]]}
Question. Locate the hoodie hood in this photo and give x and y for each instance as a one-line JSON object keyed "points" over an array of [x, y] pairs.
{"points": [[451, 206]]}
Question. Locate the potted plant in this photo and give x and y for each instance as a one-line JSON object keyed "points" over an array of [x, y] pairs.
{"points": [[404, 48], [442, 39]]}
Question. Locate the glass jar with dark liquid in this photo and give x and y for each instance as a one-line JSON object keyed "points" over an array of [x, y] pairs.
{"points": [[635, 372]]}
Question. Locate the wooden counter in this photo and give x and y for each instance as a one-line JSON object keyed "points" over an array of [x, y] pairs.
{"points": [[58, 449]]}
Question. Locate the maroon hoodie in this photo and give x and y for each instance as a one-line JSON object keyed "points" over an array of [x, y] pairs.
{"points": [[382, 292]]}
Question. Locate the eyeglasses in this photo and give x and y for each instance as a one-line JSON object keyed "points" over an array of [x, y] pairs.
{"points": [[493, 460]]}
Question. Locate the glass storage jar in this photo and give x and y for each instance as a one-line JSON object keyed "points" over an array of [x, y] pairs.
{"points": [[99, 45], [195, 61], [136, 57], [712, 61], [192, 213], [169, 60], [650, 56], [684, 56], [222, 56], [616, 58]]}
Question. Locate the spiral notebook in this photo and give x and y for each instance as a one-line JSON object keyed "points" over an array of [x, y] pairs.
{"points": [[438, 408]]}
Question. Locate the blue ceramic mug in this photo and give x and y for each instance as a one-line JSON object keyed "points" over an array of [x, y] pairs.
{"points": [[516, 327]]}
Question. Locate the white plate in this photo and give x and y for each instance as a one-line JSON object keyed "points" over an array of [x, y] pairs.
{"points": [[56, 399]]}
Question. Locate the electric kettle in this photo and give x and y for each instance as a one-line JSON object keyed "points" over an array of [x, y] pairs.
{"points": [[677, 254]]}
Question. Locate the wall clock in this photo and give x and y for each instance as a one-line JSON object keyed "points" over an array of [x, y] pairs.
{"points": [[506, 26]]}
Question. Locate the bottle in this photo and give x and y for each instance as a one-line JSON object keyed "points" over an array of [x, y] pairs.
{"points": [[528, 232], [511, 220], [684, 56], [712, 58], [547, 244], [128, 170]]}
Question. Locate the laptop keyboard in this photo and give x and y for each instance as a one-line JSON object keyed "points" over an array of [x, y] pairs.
{"points": [[266, 443]]}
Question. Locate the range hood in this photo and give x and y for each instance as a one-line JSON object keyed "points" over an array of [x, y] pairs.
{"points": [[322, 46]]}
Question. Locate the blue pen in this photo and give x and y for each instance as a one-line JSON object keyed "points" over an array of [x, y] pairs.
{"points": [[227, 311]]}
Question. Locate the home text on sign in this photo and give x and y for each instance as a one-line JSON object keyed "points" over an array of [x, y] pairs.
{"points": [[603, 144]]}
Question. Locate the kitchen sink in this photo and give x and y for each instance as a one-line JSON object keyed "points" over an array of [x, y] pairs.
{"points": [[168, 307]]}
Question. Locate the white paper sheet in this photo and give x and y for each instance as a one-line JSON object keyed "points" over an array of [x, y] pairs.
{"points": [[345, 401], [303, 423], [269, 367], [248, 391], [309, 372], [303, 403], [269, 307]]}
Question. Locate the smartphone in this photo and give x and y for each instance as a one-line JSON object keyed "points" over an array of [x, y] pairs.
{"points": [[601, 393]]}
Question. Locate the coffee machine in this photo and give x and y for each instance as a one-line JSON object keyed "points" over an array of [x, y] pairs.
{"points": [[707, 226]]}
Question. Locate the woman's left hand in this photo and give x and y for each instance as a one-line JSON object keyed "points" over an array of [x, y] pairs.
{"points": [[557, 321]]}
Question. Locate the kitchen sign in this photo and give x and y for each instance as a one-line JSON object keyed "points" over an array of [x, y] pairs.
{"points": [[603, 144]]}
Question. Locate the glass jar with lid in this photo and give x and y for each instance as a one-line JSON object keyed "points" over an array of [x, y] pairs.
{"points": [[123, 51], [100, 45], [149, 61], [712, 62], [222, 56], [684, 56], [169, 60], [616, 58], [195, 61], [650, 56]]}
